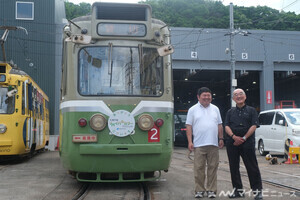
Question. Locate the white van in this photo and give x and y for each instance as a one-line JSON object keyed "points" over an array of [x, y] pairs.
{"points": [[277, 126]]}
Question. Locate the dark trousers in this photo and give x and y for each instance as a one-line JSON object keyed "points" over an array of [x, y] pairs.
{"points": [[247, 152]]}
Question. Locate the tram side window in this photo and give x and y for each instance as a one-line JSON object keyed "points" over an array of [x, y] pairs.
{"points": [[46, 104], [151, 76], [47, 110], [42, 111], [23, 99], [36, 108], [7, 103]]}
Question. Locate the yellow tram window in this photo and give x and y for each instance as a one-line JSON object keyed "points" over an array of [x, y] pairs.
{"points": [[7, 102]]}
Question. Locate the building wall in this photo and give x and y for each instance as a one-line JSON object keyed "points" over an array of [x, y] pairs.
{"points": [[39, 52], [261, 50], [210, 44]]}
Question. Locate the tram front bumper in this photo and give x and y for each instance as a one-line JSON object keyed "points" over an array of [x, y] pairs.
{"points": [[6, 143], [111, 149]]}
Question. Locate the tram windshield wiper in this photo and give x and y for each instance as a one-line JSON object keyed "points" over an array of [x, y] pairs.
{"points": [[140, 47], [111, 74], [110, 62]]}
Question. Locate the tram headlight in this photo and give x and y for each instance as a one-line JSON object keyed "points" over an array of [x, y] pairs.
{"points": [[2, 128], [145, 122], [97, 122]]}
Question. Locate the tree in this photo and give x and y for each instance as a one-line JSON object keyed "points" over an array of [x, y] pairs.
{"points": [[73, 10], [208, 14]]}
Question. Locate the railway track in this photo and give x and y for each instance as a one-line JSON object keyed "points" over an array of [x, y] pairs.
{"points": [[48, 181], [281, 185], [269, 177], [273, 187], [125, 191]]}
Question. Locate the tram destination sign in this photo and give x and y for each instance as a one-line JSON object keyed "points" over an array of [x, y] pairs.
{"points": [[121, 29]]}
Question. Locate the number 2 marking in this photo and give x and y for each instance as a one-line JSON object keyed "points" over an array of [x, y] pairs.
{"points": [[154, 134]]}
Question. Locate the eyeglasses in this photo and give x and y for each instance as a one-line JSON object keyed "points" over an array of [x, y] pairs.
{"points": [[239, 94]]}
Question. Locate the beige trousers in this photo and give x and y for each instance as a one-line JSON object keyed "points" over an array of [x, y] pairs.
{"points": [[206, 156]]}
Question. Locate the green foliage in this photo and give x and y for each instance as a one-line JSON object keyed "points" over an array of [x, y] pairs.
{"points": [[265, 18], [73, 10], [208, 14]]}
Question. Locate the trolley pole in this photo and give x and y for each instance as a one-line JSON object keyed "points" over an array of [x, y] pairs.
{"points": [[232, 56]]}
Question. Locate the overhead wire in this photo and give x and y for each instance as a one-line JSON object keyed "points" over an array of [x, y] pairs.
{"points": [[210, 40], [290, 4], [183, 45], [191, 44], [275, 42]]}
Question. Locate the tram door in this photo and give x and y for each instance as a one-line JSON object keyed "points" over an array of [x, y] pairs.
{"points": [[26, 113], [30, 118]]}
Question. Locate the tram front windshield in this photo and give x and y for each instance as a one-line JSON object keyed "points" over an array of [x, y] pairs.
{"points": [[7, 104], [120, 71]]}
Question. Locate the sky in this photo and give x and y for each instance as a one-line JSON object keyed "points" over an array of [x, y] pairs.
{"points": [[285, 5]]}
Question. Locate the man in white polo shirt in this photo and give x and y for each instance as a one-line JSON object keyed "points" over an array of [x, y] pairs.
{"points": [[204, 132]]}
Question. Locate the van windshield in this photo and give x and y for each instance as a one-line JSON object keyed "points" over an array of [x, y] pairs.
{"points": [[293, 117]]}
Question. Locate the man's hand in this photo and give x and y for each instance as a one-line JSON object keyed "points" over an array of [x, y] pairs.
{"points": [[238, 140], [221, 144], [191, 147]]}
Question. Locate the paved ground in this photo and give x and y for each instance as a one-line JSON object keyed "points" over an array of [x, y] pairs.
{"points": [[281, 173], [43, 178]]}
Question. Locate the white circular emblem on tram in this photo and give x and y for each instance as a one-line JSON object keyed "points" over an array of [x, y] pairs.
{"points": [[121, 123]]}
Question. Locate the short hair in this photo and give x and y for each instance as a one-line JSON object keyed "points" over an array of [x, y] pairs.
{"points": [[239, 89], [203, 89]]}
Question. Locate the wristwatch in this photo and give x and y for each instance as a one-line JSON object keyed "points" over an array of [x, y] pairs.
{"points": [[244, 138]]}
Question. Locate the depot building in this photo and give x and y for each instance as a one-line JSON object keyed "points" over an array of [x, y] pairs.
{"points": [[266, 66]]}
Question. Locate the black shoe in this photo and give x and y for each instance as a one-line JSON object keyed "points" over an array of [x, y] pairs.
{"points": [[236, 195], [258, 196]]}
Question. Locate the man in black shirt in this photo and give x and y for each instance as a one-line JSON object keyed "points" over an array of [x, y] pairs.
{"points": [[240, 125]]}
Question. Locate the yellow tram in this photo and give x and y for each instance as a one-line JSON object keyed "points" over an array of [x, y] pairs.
{"points": [[24, 113]]}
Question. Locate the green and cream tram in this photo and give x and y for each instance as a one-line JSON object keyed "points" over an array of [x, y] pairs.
{"points": [[116, 111]]}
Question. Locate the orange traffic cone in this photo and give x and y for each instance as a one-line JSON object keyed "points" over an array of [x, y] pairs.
{"points": [[57, 145], [288, 161], [292, 160]]}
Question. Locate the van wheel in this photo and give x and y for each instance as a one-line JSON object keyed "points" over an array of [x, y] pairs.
{"points": [[261, 148], [286, 149]]}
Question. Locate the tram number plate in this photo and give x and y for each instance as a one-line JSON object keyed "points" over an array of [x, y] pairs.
{"points": [[153, 134]]}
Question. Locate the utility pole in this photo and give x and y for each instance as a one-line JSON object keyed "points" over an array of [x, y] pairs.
{"points": [[232, 33], [232, 56]]}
